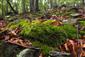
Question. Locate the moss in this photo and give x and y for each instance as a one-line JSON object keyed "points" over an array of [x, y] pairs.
{"points": [[44, 48], [45, 32]]}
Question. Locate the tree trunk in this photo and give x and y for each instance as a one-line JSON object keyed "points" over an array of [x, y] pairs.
{"points": [[31, 5], [11, 6], [7, 7], [51, 3], [2, 9], [16, 7], [34, 6], [23, 6], [83, 3]]}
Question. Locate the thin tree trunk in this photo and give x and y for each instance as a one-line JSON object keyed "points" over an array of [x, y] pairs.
{"points": [[34, 6], [51, 3], [16, 7], [23, 6], [2, 9], [31, 5], [11, 6], [83, 2], [7, 7]]}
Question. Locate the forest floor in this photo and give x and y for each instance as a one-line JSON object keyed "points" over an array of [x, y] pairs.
{"points": [[50, 31]]}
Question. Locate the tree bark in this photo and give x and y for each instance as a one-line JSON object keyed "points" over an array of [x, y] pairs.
{"points": [[34, 6]]}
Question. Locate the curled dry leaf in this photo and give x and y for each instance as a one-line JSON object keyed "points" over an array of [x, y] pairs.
{"points": [[75, 47], [57, 23], [2, 24], [12, 38]]}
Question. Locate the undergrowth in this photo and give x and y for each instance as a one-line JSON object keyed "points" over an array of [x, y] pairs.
{"points": [[45, 35]]}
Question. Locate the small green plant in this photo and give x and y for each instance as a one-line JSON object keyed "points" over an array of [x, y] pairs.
{"points": [[82, 24], [44, 48], [43, 34]]}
